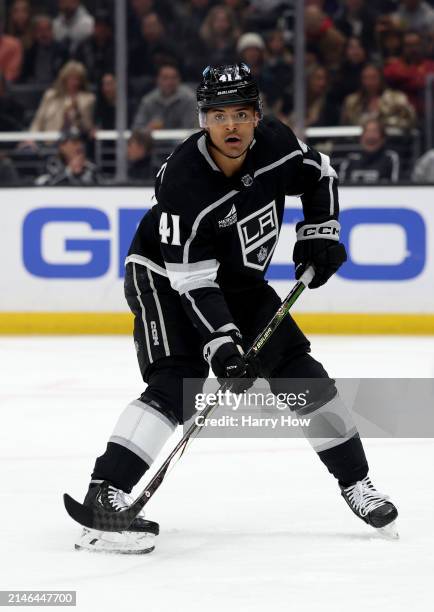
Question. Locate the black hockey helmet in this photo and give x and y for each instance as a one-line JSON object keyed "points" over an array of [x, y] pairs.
{"points": [[226, 84]]}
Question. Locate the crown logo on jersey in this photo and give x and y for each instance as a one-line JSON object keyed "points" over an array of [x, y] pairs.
{"points": [[229, 219], [262, 254]]}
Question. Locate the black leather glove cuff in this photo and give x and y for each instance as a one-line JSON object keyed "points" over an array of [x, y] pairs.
{"points": [[226, 344], [318, 245]]}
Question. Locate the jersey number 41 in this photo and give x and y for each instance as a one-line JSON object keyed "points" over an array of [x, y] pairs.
{"points": [[169, 227]]}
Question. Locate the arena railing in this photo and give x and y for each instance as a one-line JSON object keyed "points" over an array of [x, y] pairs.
{"points": [[336, 141]]}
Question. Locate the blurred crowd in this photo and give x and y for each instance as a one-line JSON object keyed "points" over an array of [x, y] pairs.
{"points": [[367, 64]]}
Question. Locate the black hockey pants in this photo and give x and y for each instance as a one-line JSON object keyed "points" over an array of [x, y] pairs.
{"points": [[169, 349]]}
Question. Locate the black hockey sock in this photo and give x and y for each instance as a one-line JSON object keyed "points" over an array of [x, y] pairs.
{"points": [[120, 466], [347, 461]]}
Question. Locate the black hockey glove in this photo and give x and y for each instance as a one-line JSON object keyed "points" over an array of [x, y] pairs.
{"points": [[318, 244], [225, 355]]}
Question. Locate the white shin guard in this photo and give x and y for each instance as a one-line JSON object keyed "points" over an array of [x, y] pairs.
{"points": [[143, 430]]}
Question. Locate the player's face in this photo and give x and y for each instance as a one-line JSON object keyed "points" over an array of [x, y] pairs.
{"points": [[231, 128]]}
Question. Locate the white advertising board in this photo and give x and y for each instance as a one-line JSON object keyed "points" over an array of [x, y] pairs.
{"points": [[62, 250]]}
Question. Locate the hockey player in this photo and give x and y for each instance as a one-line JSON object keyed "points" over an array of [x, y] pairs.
{"points": [[195, 283]]}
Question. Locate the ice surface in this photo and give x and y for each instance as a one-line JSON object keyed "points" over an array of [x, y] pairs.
{"points": [[247, 525]]}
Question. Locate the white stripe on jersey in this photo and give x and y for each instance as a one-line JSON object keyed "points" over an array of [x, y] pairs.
{"points": [[211, 207], [326, 168], [303, 145], [185, 277], [332, 199], [145, 323], [199, 218], [311, 162], [199, 314], [160, 313], [279, 162], [201, 145], [144, 261]]}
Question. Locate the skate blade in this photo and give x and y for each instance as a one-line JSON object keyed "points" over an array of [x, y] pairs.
{"points": [[120, 543], [389, 532]]}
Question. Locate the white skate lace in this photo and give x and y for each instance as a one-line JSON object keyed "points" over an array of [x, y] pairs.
{"points": [[364, 497], [120, 500]]}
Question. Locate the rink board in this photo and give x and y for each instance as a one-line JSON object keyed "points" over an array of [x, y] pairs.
{"points": [[62, 253]]}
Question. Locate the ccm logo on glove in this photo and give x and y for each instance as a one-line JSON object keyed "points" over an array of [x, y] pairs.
{"points": [[318, 245], [328, 229]]}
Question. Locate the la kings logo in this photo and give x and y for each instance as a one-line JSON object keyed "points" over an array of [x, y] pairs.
{"points": [[258, 236]]}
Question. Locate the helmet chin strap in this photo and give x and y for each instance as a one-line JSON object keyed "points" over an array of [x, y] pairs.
{"points": [[212, 144]]}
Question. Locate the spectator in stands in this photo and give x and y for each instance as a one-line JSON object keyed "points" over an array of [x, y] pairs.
{"points": [[191, 46], [11, 111], [388, 39], [11, 56], [105, 110], [278, 66], [20, 22], [263, 15], [138, 9], [219, 32], [266, 5], [375, 163], [408, 73], [97, 52], [70, 167], [374, 99], [139, 157], [278, 53], [191, 15], [240, 10], [154, 49], [8, 174], [251, 50], [348, 79], [73, 24], [45, 57], [320, 108], [386, 6], [415, 15], [424, 168], [171, 105], [323, 38], [68, 103], [356, 19]]}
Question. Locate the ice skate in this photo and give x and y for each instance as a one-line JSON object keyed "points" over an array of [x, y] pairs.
{"points": [[137, 539], [372, 507]]}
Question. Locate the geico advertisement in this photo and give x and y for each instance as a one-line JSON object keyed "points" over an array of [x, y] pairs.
{"points": [[64, 250]]}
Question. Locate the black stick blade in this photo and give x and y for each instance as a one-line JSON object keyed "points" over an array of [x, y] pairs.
{"points": [[78, 512], [100, 519]]}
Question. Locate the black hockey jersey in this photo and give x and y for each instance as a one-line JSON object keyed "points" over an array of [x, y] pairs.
{"points": [[382, 166], [210, 234]]}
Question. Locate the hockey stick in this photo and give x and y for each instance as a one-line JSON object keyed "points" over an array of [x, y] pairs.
{"points": [[104, 520]]}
